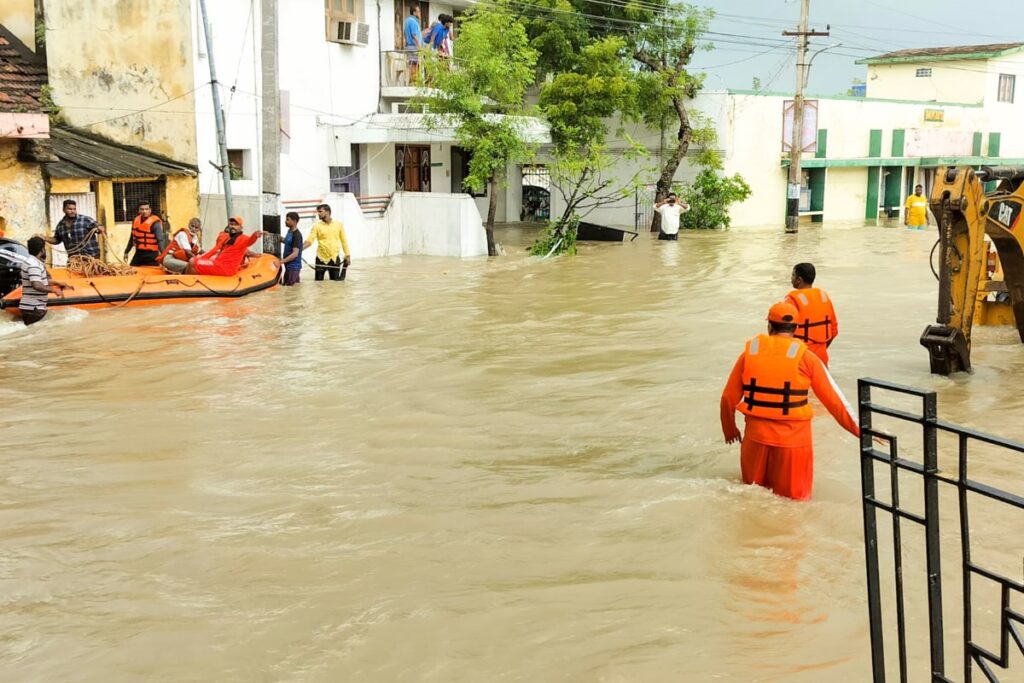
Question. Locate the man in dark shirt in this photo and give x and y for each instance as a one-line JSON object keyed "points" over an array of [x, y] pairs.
{"points": [[76, 232], [292, 260]]}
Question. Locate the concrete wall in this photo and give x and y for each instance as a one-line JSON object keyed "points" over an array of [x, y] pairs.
{"points": [[19, 17], [213, 214], [109, 59], [950, 81], [845, 193], [23, 199], [430, 224]]}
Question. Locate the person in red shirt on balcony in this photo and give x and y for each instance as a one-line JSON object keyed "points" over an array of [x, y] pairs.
{"points": [[769, 384], [226, 256]]}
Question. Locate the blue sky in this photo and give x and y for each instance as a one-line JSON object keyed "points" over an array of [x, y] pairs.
{"points": [[748, 41]]}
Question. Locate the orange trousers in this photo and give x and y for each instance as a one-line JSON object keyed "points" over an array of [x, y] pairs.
{"points": [[787, 472]]}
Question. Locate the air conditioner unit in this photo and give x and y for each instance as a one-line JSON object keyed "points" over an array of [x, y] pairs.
{"points": [[353, 33]]}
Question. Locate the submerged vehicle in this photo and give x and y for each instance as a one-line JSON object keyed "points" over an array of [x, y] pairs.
{"points": [[976, 284], [144, 286]]}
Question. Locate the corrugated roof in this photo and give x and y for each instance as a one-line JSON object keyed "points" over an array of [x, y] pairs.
{"points": [[22, 76], [86, 155], [932, 54]]}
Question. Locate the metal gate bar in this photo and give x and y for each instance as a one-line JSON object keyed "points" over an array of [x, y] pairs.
{"points": [[1011, 621]]}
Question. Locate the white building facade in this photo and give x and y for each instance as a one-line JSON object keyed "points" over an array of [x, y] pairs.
{"points": [[345, 122], [924, 110]]}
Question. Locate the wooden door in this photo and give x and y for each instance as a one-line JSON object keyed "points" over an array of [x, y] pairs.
{"points": [[412, 168]]}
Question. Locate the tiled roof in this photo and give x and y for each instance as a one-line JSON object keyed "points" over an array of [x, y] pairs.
{"points": [[86, 155], [22, 76], [930, 54]]}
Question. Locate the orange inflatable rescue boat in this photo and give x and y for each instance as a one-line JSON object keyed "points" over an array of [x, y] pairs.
{"points": [[153, 285]]}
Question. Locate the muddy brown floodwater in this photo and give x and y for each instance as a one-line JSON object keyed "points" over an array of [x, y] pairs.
{"points": [[453, 470]]}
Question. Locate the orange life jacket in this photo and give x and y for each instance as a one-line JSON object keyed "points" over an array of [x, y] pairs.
{"points": [[175, 250], [816, 322], [142, 233], [773, 386]]}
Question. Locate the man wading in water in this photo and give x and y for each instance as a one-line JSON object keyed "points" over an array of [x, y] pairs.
{"points": [[770, 384]]}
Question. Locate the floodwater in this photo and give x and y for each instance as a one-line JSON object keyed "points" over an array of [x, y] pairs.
{"points": [[448, 470]]}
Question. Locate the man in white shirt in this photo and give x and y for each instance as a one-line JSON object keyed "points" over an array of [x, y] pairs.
{"points": [[670, 209], [36, 285]]}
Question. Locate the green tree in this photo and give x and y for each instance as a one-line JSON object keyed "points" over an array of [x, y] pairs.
{"points": [[664, 49], [578, 104], [709, 197], [661, 39], [482, 96]]}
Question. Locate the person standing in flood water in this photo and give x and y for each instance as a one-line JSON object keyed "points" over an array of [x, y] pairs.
{"points": [[769, 384], [817, 325], [670, 209]]}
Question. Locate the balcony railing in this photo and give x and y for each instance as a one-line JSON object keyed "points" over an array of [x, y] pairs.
{"points": [[398, 71]]}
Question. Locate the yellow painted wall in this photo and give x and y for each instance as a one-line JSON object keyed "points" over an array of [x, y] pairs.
{"points": [[19, 17], [112, 58], [181, 202], [22, 194], [69, 186]]}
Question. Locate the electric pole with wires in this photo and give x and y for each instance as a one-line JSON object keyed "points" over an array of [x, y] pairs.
{"points": [[796, 142]]}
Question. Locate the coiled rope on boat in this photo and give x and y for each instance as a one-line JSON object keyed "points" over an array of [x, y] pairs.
{"points": [[87, 266]]}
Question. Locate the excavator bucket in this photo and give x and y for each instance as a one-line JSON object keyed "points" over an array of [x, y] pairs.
{"points": [[959, 204]]}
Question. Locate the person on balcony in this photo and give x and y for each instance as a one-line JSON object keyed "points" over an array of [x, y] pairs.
{"points": [[413, 42]]}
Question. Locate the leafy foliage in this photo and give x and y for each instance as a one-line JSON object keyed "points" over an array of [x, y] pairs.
{"points": [[558, 238], [709, 197], [482, 96]]}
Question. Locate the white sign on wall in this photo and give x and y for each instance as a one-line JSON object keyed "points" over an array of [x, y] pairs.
{"points": [[810, 127], [937, 142]]}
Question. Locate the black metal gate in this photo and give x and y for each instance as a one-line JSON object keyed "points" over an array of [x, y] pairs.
{"points": [[643, 207], [1010, 615]]}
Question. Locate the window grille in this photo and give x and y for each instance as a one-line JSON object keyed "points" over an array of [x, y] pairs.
{"points": [[128, 195], [924, 73]]}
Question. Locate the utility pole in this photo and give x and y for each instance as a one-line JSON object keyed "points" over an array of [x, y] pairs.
{"points": [[796, 143], [218, 114], [271, 130]]}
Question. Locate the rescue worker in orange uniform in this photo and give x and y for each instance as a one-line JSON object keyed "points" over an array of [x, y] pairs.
{"points": [[770, 384], [816, 317], [148, 237]]}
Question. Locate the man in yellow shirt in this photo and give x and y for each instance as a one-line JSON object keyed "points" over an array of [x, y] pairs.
{"points": [[915, 214], [329, 236]]}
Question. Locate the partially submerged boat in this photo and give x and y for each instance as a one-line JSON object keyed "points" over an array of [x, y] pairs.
{"points": [[153, 285]]}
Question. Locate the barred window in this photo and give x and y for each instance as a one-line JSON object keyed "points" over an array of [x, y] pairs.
{"points": [[924, 73], [128, 195], [1007, 83]]}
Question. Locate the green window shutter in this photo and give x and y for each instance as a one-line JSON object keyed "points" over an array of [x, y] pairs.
{"points": [[871, 209], [993, 144], [976, 145], [875, 143], [897, 142], [822, 143]]}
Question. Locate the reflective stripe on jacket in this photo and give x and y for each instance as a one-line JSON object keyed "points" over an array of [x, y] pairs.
{"points": [[773, 386], [817, 320]]}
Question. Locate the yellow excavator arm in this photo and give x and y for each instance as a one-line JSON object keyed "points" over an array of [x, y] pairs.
{"points": [[965, 215]]}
